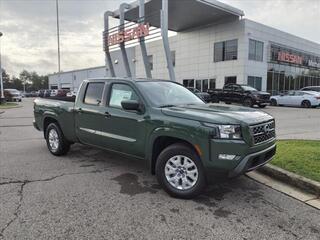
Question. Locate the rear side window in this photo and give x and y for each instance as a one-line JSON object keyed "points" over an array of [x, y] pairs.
{"points": [[93, 94]]}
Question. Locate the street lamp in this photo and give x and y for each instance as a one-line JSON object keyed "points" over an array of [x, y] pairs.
{"points": [[1, 80]]}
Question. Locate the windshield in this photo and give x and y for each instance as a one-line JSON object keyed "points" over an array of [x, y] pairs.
{"points": [[248, 88], [168, 94], [12, 90]]}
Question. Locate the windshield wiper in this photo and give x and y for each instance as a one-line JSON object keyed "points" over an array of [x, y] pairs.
{"points": [[167, 106]]}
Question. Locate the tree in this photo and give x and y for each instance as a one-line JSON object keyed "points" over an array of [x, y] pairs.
{"points": [[32, 80]]}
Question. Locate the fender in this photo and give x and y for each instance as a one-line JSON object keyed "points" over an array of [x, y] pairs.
{"points": [[174, 132], [48, 114]]}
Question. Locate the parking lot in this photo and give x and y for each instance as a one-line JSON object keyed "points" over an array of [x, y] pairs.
{"points": [[94, 194]]}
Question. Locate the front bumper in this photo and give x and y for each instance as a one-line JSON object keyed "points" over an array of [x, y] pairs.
{"points": [[35, 125], [254, 161], [248, 157], [261, 101]]}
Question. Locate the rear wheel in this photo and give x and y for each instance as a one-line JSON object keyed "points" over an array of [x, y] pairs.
{"points": [[180, 172], [306, 104], [274, 102], [247, 102], [56, 142]]}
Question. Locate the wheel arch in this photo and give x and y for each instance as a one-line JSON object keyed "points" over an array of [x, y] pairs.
{"points": [[48, 119], [160, 142]]}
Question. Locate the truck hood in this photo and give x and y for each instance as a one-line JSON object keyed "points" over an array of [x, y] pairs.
{"points": [[218, 114]]}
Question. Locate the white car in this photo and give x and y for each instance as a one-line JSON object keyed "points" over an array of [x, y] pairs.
{"points": [[53, 92], [304, 99]]}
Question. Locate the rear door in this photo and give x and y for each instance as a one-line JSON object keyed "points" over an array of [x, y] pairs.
{"points": [[124, 131], [89, 113]]}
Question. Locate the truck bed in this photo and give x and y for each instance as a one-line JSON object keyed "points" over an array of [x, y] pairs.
{"points": [[56, 108]]}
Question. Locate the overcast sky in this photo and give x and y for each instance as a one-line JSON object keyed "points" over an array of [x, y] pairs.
{"points": [[29, 28]]}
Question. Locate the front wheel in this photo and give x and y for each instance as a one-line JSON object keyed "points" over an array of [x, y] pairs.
{"points": [[180, 172], [248, 102], [56, 142]]}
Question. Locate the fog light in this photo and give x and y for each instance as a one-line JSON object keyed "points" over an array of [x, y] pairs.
{"points": [[226, 157]]}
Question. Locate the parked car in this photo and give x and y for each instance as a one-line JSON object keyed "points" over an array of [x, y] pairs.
{"points": [[311, 88], [203, 95], [54, 92], [237, 93], [72, 94], [304, 99], [12, 95], [47, 93], [41, 92], [62, 92], [34, 94], [185, 142]]}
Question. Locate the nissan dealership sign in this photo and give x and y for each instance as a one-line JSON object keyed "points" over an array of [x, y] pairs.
{"points": [[142, 30], [294, 57]]}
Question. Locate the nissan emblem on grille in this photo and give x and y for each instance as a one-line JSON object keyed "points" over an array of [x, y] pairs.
{"points": [[263, 132]]}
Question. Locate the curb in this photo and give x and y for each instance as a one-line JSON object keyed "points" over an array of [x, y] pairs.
{"points": [[293, 179]]}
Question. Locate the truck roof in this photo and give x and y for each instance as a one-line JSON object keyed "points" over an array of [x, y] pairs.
{"points": [[128, 79]]}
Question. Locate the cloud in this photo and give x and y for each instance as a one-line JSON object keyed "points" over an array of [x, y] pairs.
{"points": [[29, 28]]}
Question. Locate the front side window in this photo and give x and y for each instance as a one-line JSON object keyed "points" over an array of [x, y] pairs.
{"points": [[161, 93], [121, 92], [255, 50], [93, 94]]}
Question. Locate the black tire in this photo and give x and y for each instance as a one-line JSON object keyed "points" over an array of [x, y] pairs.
{"points": [[183, 150], [227, 102], [63, 146], [306, 104], [215, 99], [247, 102], [274, 102], [262, 106]]}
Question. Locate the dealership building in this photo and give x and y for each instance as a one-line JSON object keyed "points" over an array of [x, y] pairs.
{"points": [[224, 47]]}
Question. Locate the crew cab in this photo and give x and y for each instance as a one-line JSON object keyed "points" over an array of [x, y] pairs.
{"points": [[186, 143], [237, 93]]}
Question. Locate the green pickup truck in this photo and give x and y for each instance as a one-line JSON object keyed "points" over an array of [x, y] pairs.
{"points": [[185, 142]]}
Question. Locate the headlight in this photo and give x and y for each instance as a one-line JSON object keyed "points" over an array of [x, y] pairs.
{"points": [[226, 131]]}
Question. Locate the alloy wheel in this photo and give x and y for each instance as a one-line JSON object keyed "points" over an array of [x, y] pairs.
{"points": [[181, 172]]}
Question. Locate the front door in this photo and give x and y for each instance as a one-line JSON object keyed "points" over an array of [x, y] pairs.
{"points": [[124, 131]]}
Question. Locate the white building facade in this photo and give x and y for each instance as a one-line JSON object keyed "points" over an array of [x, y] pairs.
{"points": [[240, 51]]}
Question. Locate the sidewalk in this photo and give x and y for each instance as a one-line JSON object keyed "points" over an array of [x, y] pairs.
{"points": [[298, 187]]}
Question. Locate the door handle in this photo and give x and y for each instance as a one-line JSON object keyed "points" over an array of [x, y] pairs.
{"points": [[79, 110], [107, 115]]}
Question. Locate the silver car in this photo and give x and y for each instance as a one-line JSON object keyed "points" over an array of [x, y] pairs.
{"points": [[304, 99]]}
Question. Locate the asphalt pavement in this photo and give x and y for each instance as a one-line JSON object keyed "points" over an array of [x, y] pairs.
{"points": [[95, 194]]}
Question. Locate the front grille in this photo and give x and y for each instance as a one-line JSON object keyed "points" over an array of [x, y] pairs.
{"points": [[263, 132], [264, 97]]}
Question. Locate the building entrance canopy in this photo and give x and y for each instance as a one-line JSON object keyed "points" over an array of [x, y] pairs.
{"points": [[175, 15], [184, 14]]}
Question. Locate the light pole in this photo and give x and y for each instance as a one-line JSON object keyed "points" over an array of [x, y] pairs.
{"points": [[1, 80], [58, 41]]}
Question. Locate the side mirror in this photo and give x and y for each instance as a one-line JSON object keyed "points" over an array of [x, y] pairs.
{"points": [[131, 105]]}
